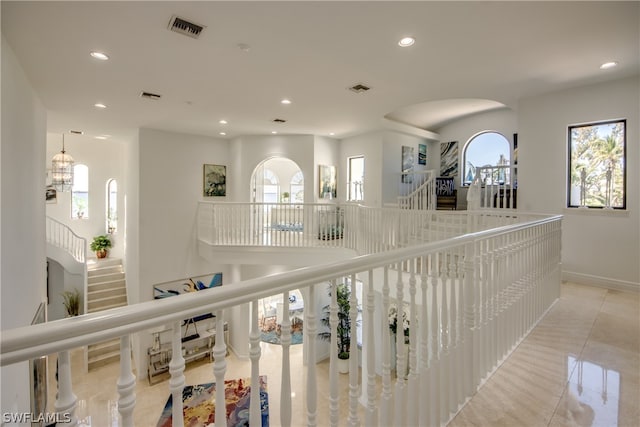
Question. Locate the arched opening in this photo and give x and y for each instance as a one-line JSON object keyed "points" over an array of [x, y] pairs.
{"points": [[487, 148], [276, 179], [112, 206], [80, 192]]}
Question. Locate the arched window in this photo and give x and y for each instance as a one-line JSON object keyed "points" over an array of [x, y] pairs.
{"points": [[80, 192], [297, 187], [112, 206], [485, 149], [271, 187]]}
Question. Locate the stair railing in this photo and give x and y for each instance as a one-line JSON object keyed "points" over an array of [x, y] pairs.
{"points": [[417, 190]]}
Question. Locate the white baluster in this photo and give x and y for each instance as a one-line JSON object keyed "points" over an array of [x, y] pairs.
{"points": [[435, 341], [354, 376], [400, 400], [414, 332], [66, 401], [445, 379], [371, 418], [255, 411], [176, 383], [468, 295], [219, 370], [453, 346], [126, 383], [425, 395], [311, 331], [385, 399], [285, 340], [333, 356]]}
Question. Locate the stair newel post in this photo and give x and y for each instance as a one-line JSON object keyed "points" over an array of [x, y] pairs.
{"points": [[310, 321], [67, 401], [220, 368], [176, 383], [285, 339], [126, 383], [255, 412]]}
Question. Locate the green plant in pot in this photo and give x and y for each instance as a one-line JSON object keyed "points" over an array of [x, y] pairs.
{"points": [[100, 245], [71, 301], [343, 295]]}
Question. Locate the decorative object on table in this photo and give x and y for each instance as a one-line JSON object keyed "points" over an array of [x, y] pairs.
{"points": [[422, 154], [343, 295], [62, 170], [100, 245], [71, 302], [199, 404], [407, 164], [182, 286], [449, 158], [214, 180], [328, 180]]}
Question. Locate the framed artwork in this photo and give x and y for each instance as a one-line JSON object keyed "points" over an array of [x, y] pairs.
{"points": [[407, 165], [214, 180], [449, 158], [51, 195], [328, 180], [422, 154]]}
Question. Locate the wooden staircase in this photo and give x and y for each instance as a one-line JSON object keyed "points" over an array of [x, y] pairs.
{"points": [[106, 288]]}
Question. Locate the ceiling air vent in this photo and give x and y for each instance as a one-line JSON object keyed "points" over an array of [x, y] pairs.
{"points": [[77, 132], [279, 121], [185, 27], [149, 95], [359, 88]]}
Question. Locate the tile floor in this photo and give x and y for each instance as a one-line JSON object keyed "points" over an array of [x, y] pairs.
{"points": [[579, 367]]}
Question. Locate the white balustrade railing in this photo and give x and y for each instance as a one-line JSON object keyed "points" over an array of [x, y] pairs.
{"points": [[471, 299], [61, 236], [494, 187], [417, 190]]}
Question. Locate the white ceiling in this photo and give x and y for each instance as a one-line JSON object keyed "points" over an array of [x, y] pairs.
{"points": [[468, 57]]}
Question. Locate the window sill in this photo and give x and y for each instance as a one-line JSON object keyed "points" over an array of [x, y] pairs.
{"points": [[620, 213]]}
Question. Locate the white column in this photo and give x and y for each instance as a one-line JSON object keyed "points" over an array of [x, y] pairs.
{"points": [[66, 401], [176, 383]]}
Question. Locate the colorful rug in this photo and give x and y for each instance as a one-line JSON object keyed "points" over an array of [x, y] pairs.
{"points": [[199, 404], [270, 331]]}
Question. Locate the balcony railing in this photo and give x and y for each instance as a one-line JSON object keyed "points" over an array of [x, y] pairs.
{"points": [[471, 299]]}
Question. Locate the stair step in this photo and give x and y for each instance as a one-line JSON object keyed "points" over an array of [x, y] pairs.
{"points": [[108, 346], [92, 287], [107, 303], [103, 359], [99, 294], [95, 263], [108, 277]]}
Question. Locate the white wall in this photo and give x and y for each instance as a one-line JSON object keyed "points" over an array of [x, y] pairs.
{"points": [[392, 143], [22, 248], [105, 160], [597, 247], [368, 145]]}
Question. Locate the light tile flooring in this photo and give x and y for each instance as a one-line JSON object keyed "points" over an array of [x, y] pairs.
{"points": [[579, 367]]}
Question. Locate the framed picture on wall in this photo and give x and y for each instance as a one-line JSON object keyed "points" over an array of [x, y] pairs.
{"points": [[422, 154], [328, 180], [449, 158], [214, 180], [407, 165]]}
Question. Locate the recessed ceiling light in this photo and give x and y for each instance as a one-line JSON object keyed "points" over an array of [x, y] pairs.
{"points": [[331, 133], [99, 55], [223, 122], [274, 132], [608, 65], [101, 137], [99, 105], [223, 133], [285, 101], [406, 41]]}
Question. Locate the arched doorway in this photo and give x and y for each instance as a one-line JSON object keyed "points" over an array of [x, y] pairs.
{"points": [[277, 180]]}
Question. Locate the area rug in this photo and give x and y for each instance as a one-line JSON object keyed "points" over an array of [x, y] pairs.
{"points": [[199, 404], [270, 331]]}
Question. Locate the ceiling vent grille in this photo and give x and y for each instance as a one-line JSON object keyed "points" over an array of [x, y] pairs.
{"points": [[76, 132], [279, 121], [149, 95], [185, 27], [359, 88]]}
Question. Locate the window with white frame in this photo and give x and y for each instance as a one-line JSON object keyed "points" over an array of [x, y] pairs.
{"points": [[80, 192], [597, 173], [112, 206], [355, 171], [297, 188], [486, 149], [271, 188]]}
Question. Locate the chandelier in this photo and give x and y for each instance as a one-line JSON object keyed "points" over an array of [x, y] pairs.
{"points": [[62, 170]]}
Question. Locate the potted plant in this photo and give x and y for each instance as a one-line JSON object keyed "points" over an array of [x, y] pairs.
{"points": [[71, 301], [285, 197], [343, 295], [100, 245]]}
